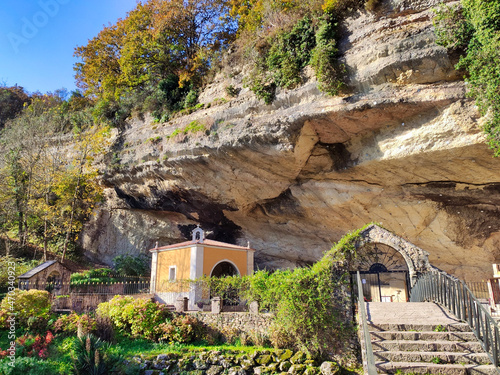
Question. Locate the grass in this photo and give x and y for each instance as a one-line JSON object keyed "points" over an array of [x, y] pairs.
{"points": [[440, 328], [193, 127], [60, 361], [130, 348]]}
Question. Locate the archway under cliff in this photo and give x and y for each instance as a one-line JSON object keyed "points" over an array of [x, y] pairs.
{"points": [[389, 265], [384, 273]]}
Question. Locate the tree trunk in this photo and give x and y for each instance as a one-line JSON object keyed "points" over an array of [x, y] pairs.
{"points": [[45, 239], [7, 246], [73, 204]]}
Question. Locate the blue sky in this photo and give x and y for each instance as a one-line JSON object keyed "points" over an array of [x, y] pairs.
{"points": [[38, 38]]}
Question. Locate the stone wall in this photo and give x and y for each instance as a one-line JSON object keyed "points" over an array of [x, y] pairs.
{"points": [[240, 321], [215, 362]]}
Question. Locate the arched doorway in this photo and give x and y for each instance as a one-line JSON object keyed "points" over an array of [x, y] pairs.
{"points": [[54, 282], [384, 273], [224, 268], [415, 260]]}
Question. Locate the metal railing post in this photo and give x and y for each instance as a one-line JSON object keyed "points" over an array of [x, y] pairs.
{"points": [[370, 360], [495, 346]]}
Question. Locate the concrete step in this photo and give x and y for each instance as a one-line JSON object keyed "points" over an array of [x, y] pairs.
{"points": [[431, 357], [431, 368], [427, 346], [426, 336], [454, 327]]}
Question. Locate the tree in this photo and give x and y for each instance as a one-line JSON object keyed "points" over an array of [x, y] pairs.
{"points": [[77, 188], [157, 39], [99, 70], [47, 181], [12, 101], [22, 152]]}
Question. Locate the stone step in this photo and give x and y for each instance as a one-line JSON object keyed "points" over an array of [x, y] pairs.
{"points": [[431, 368], [408, 327], [427, 346], [431, 357], [426, 336]]}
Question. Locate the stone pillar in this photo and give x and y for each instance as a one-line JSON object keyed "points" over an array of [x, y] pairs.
{"points": [[216, 305], [181, 304], [253, 307]]}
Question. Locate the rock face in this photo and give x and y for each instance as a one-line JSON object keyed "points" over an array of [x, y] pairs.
{"points": [[405, 149]]}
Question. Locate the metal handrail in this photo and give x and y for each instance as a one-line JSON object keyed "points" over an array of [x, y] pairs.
{"points": [[368, 358], [452, 293]]}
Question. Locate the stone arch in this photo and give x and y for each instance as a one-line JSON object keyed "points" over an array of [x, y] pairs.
{"points": [[378, 257], [54, 277], [416, 259], [54, 281]]}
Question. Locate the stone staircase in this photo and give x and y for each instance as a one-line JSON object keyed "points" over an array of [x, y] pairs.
{"points": [[422, 338]]}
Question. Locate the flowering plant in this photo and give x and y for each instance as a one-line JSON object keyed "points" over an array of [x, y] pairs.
{"points": [[37, 346]]}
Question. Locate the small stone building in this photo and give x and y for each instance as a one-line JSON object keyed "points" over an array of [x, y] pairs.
{"points": [[50, 275], [193, 259]]}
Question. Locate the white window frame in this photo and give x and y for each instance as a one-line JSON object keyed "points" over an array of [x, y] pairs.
{"points": [[170, 273]]}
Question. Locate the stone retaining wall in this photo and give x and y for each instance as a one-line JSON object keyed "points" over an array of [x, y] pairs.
{"points": [[218, 362], [241, 321]]}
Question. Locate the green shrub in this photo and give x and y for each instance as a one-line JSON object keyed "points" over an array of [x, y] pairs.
{"points": [[310, 304], [290, 53], [475, 29], [452, 29], [231, 91], [193, 127], [181, 329], [135, 317], [130, 265], [262, 88], [32, 308], [324, 59], [110, 112], [98, 275], [70, 324], [191, 99], [154, 140], [282, 57]]}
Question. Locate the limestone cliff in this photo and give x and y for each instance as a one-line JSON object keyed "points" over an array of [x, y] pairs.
{"points": [[404, 149]]}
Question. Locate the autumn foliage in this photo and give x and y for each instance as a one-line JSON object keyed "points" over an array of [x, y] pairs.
{"points": [[157, 39]]}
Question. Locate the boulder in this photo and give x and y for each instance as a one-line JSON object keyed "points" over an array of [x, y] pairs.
{"points": [[329, 368]]}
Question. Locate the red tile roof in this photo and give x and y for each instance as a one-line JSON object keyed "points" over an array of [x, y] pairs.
{"points": [[205, 242]]}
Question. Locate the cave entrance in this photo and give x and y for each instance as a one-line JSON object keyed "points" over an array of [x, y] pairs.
{"points": [[384, 273]]}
